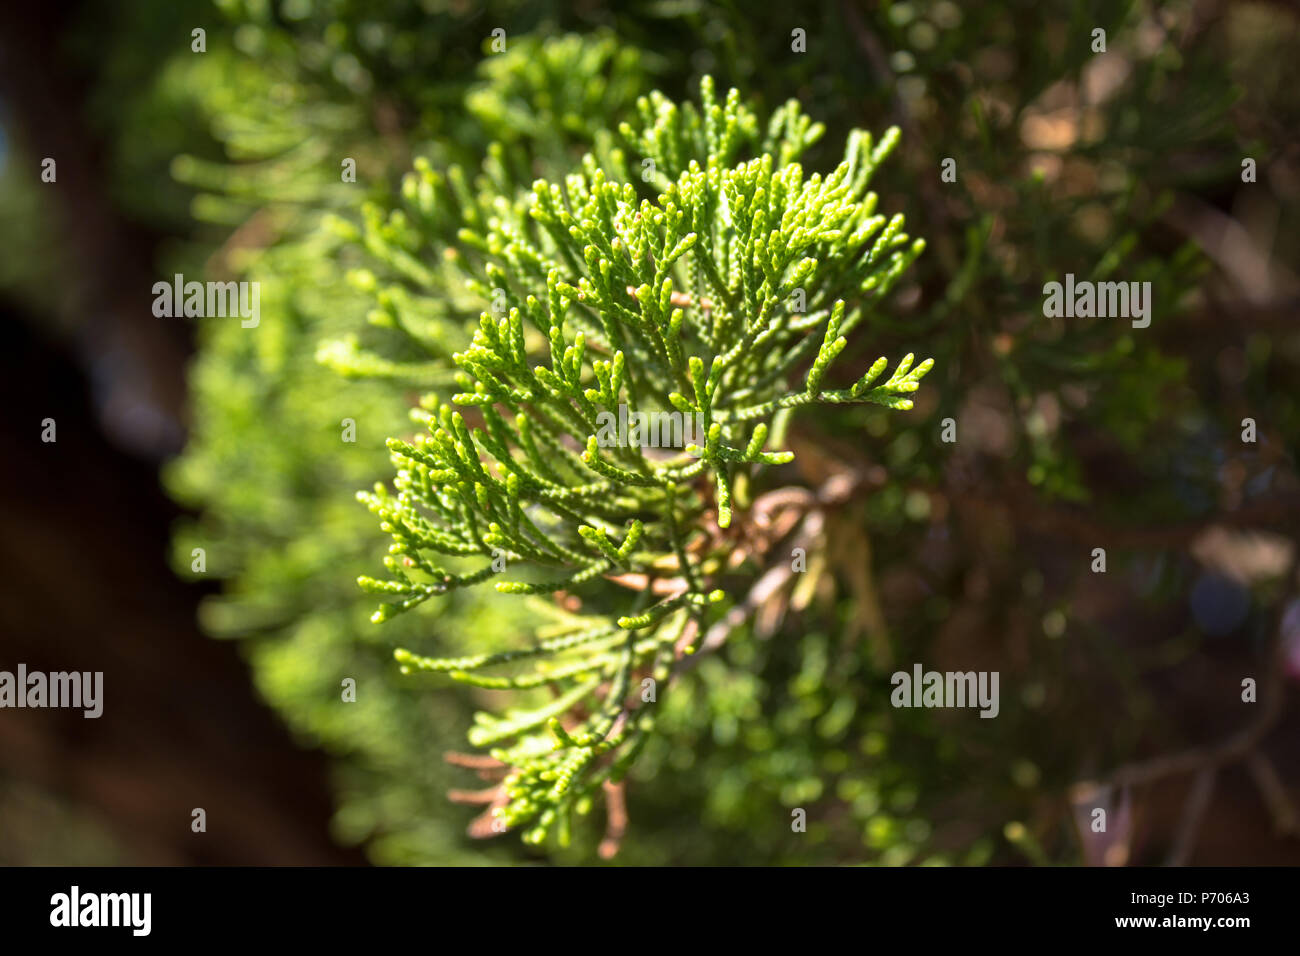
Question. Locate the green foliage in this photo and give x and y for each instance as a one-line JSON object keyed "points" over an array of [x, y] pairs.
{"points": [[265, 462], [374, 292], [627, 305]]}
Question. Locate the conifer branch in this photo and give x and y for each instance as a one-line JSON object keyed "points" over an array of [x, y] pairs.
{"points": [[695, 296]]}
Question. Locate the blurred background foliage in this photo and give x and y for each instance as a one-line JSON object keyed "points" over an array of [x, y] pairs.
{"points": [[1072, 434]]}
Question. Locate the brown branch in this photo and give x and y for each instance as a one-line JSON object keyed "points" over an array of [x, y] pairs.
{"points": [[775, 578], [1286, 821], [834, 490], [615, 820], [486, 795], [472, 761], [1189, 826]]}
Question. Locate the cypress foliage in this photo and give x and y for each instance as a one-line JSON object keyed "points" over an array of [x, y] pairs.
{"points": [[269, 404], [947, 551], [719, 289]]}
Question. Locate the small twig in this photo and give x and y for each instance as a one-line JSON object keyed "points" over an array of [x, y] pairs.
{"points": [[615, 819], [686, 639], [1198, 801], [775, 578], [486, 795], [680, 300], [1286, 821], [472, 761], [1254, 274], [487, 824]]}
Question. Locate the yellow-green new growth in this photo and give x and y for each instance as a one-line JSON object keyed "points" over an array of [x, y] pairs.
{"points": [[708, 288]]}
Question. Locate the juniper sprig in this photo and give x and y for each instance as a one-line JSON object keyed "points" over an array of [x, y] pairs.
{"points": [[718, 287]]}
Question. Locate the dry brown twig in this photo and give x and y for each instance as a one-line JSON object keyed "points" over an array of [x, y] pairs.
{"points": [[835, 490]]}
